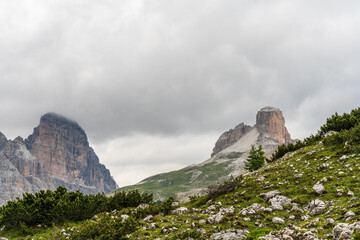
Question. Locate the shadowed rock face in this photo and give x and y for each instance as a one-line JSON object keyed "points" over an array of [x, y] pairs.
{"points": [[269, 121], [56, 153], [230, 137]]}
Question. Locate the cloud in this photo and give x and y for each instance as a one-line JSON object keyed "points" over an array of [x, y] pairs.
{"points": [[139, 156], [170, 68]]}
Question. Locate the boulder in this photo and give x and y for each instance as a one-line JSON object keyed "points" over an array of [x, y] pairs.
{"points": [[278, 220], [318, 188], [230, 234], [316, 207]]}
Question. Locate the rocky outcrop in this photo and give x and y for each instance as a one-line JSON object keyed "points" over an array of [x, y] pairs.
{"points": [[230, 137], [269, 121], [56, 154]]}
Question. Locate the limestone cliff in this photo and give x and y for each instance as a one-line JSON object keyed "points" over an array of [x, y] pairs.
{"points": [[269, 121], [230, 137], [56, 153]]}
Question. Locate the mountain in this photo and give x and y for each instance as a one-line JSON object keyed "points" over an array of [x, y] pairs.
{"points": [[57, 153], [227, 159]]}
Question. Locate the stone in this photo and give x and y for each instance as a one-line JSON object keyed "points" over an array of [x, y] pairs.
{"points": [[175, 204], [278, 202], [143, 206], [124, 217], [278, 220], [148, 218], [316, 207], [300, 175], [230, 234], [267, 196], [319, 188], [180, 210], [350, 193], [227, 211], [349, 214], [215, 219], [330, 221], [253, 209]]}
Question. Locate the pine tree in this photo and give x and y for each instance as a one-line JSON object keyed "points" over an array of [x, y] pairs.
{"points": [[255, 160]]}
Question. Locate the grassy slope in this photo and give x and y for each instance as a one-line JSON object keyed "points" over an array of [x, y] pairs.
{"points": [[277, 176], [280, 176], [168, 184]]}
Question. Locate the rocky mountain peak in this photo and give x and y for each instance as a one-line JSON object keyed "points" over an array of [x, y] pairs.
{"points": [[3, 140], [270, 120], [57, 153]]}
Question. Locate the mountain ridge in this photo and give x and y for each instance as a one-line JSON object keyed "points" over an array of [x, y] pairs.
{"points": [[56, 153]]}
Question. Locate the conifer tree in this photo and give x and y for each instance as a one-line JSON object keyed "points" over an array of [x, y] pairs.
{"points": [[255, 160]]}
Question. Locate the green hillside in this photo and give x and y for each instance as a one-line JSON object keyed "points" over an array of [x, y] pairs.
{"points": [[168, 184], [310, 193]]}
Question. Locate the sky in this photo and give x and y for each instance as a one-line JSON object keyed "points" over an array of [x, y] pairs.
{"points": [[155, 82]]}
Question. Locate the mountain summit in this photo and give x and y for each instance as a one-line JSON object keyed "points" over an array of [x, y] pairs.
{"points": [[269, 121], [57, 153], [227, 159]]}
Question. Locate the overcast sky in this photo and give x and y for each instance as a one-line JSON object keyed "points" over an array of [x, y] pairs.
{"points": [[155, 82]]}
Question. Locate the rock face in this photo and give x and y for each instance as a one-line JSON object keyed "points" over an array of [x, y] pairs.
{"points": [[230, 137], [269, 121], [56, 154]]}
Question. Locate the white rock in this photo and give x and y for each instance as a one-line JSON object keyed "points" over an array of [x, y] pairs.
{"points": [[350, 193], [349, 214], [227, 211], [318, 188], [230, 234], [148, 218], [279, 201], [180, 210], [267, 196], [278, 220], [316, 207], [215, 219], [175, 204], [124, 217], [330, 221]]}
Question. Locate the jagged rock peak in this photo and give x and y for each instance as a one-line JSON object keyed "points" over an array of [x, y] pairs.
{"points": [[3, 140], [270, 120], [60, 120], [230, 137]]}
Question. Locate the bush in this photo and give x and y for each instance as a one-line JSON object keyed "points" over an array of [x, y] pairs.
{"points": [[225, 187], [48, 207], [127, 199], [339, 123]]}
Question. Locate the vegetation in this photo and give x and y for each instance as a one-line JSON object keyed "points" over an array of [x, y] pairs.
{"points": [[256, 159], [51, 207], [332, 160]]}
